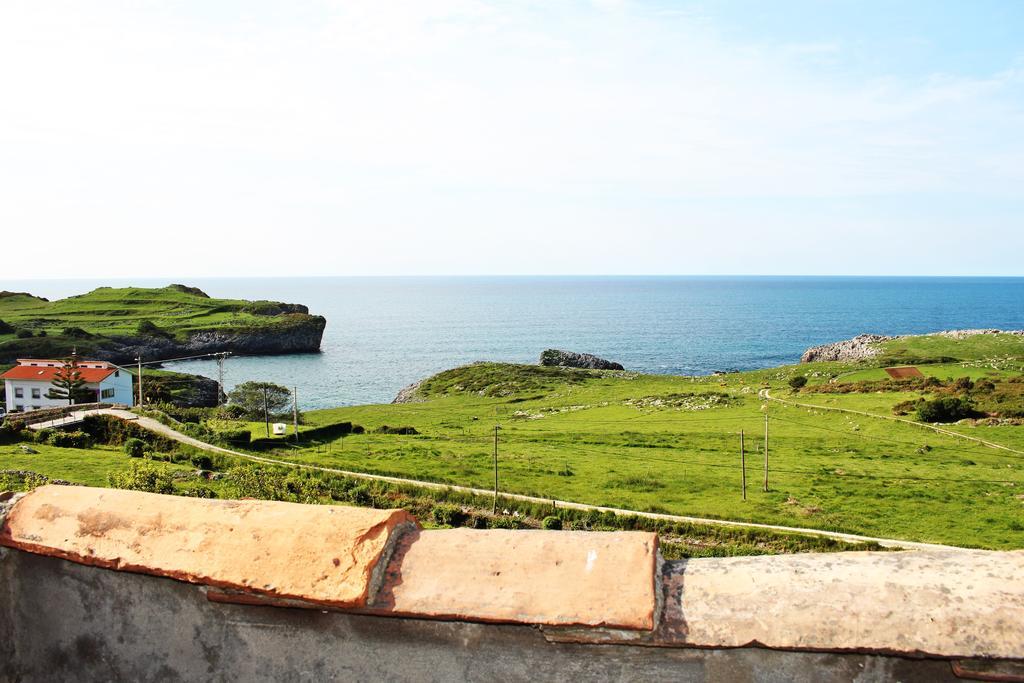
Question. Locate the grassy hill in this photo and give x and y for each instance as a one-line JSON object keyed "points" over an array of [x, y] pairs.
{"points": [[672, 444], [115, 323]]}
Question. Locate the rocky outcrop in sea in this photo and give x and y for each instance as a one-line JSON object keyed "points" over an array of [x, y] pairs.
{"points": [[571, 359], [865, 346]]}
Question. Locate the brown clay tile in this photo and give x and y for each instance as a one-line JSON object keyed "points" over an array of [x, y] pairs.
{"points": [[321, 554], [537, 577]]}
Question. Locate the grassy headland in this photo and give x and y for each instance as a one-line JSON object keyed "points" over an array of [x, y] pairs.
{"points": [[117, 323]]}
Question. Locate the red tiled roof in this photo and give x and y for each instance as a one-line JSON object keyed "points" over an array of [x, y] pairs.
{"points": [[47, 374]]}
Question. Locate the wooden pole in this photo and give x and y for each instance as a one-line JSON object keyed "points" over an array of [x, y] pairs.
{"points": [[295, 412], [743, 465], [140, 379], [266, 411], [494, 507], [766, 451]]}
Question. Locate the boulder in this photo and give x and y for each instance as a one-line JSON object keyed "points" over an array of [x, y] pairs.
{"points": [[571, 359]]}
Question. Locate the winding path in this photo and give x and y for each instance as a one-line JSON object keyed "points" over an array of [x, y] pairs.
{"points": [[162, 429]]}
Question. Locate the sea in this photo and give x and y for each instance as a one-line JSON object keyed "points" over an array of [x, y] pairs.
{"points": [[384, 333]]}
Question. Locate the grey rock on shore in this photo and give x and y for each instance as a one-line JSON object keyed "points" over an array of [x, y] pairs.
{"points": [[864, 346], [570, 359]]}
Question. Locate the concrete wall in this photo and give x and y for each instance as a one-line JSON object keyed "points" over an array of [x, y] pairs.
{"points": [[64, 621]]}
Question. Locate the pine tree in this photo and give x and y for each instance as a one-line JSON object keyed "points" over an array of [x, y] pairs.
{"points": [[68, 383]]}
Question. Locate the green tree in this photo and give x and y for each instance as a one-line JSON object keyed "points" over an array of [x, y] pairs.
{"points": [[68, 384], [249, 397], [798, 382]]}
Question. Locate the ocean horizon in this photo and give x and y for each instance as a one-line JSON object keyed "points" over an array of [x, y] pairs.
{"points": [[385, 332]]}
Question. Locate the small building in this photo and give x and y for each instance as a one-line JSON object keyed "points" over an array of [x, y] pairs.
{"points": [[27, 383]]}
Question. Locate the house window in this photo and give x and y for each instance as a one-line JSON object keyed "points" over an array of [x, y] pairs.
{"points": [[117, 373], [107, 393], [36, 394], [19, 392], [19, 408], [35, 407]]}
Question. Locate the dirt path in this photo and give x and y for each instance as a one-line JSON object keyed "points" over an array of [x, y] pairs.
{"points": [[162, 429], [763, 393]]}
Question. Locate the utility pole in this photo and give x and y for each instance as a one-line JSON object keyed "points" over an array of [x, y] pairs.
{"points": [[494, 507], [221, 394], [766, 451], [139, 359], [743, 466], [295, 412], [266, 411]]}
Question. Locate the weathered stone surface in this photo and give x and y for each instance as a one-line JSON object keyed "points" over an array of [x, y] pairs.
{"points": [[943, 603], [533, 577], [571, 359], [321, 554]]}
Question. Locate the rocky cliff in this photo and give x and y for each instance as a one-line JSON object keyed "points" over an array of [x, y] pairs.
{"points": [[865, 346], [571, 359]]}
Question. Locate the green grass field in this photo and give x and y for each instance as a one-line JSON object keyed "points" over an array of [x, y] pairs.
{"points": [[672, 444]]}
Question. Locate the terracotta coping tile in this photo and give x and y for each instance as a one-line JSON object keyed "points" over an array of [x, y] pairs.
{"points": [[321, 554], [940, 603], [537, 577]]}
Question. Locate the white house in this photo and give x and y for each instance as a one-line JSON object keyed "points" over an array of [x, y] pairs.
{"points": [[28, 382]]}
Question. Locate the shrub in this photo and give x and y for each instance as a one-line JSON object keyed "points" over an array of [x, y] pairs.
{"points": [[6, 328], [202, 461], [235, 436], [134, 447], [477, 522], [550, 522], [963, 384], [385, 429], [256, 481], [41, 333], [22, 333], [504, 522], [142, 477], [798, 382], [945, 409], [75, 332], [448, 514], [43, 435], [306, 487], [71, 440]]}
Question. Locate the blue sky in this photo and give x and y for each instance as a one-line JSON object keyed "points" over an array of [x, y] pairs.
{"points": [[471, 137]]}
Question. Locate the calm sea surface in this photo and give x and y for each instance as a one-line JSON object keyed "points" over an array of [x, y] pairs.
{"points": [[384, 333]]}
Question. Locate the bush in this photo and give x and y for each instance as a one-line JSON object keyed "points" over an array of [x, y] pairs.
{"points": [[6, 328], [550, 522], [75, 332], [946, 409], [202, 461], [43, 435], [256, 481], [237, 437], [134, 447], [503, 522], [71, 440], [385, 429], [41, 333], [142, 477], [798, 382], [448, 514], [22, 333], [199, 492]]}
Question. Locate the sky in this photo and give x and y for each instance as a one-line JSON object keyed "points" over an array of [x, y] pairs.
{"points": [[250, 138]]}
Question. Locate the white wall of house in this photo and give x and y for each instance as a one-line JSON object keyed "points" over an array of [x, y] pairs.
{"points": [[32, 395], [115, 388]]}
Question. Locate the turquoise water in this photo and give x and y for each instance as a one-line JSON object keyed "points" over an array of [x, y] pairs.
{"points": [[384, 333]]}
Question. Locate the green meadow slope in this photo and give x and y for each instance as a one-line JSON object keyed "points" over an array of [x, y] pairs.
{"points": [[672, 444]]}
